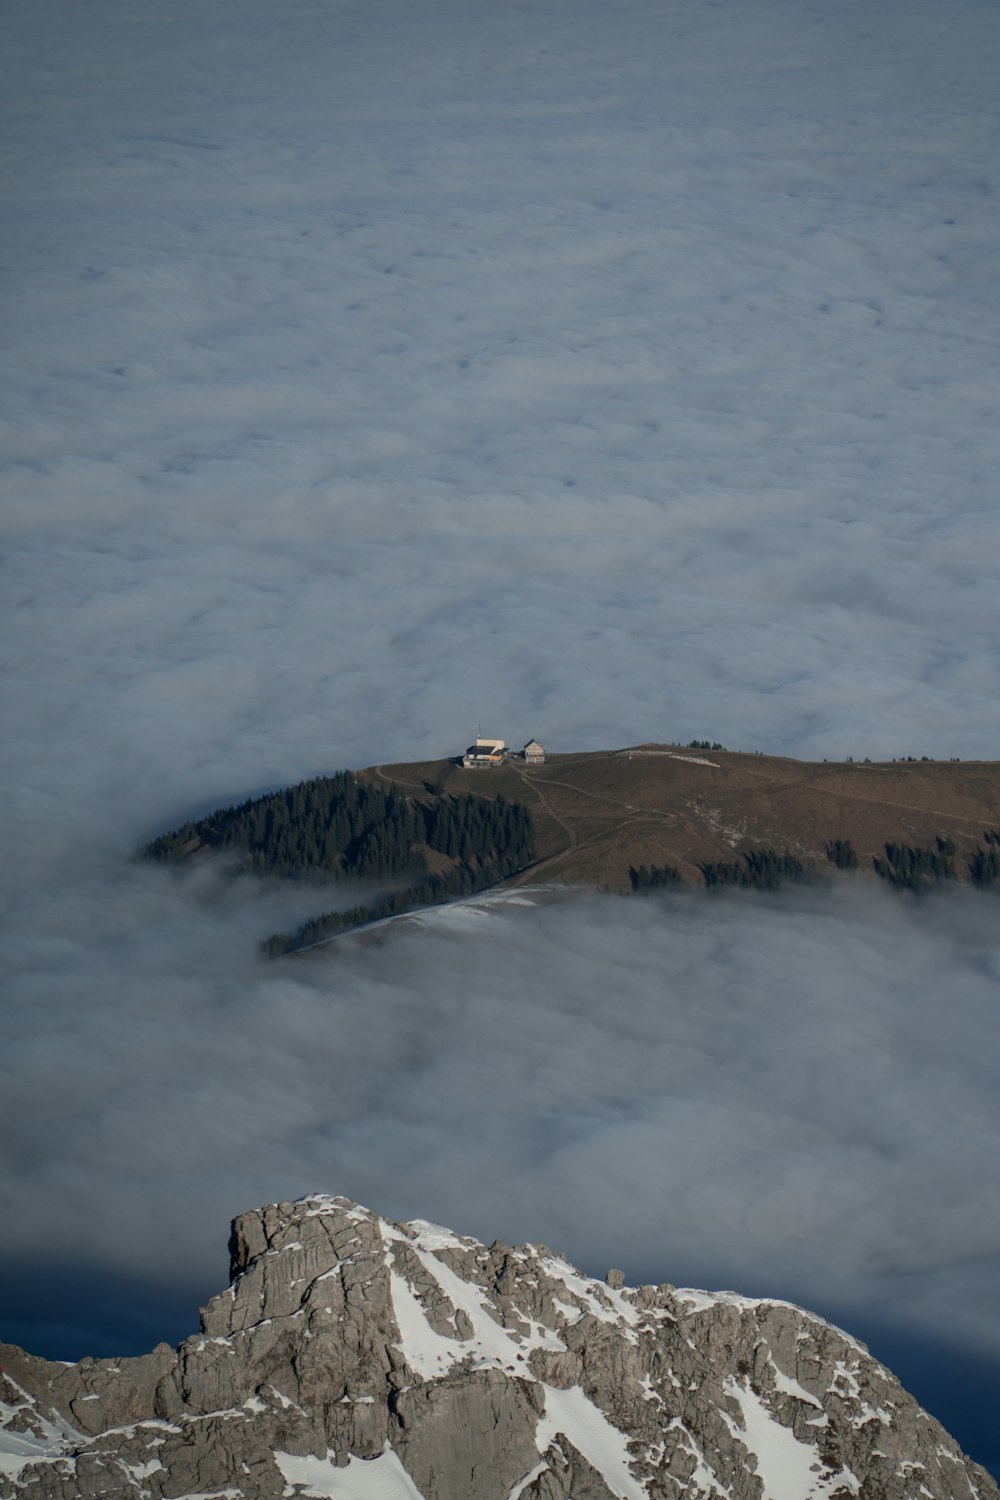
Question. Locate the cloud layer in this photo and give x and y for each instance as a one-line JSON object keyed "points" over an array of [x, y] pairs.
{"points": [[639, 364], [795, 1098], [595, 373], [698, 1087]]}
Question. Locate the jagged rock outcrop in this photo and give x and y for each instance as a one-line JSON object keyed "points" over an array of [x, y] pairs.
{"points": [[358, 1359]]}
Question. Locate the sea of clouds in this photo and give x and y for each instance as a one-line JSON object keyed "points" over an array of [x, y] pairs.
{"points": [[792, 1097], [595, 372]]}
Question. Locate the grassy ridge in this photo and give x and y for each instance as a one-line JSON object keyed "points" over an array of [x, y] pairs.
{"points": [[651, 818]]}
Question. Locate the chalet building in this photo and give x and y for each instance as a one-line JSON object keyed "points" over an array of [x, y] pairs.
{"points": [[485, 753], [534, 753]]}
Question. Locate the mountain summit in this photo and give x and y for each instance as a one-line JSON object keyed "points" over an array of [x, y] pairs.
{"points": [[358, 1359]]}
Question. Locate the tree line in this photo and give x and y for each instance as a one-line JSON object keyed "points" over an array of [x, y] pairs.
{"points": [[917, 868], [656, 878], [756, 869], [337, 827], [903, 866]]}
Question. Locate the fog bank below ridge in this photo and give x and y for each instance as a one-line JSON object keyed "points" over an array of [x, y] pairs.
{"points": [[793, 1097]]}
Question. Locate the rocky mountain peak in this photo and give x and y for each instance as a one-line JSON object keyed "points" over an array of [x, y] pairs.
{"points": [[360, 1359]]}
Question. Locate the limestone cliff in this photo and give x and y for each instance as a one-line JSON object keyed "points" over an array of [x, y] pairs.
{"points": [[358, 1359]]}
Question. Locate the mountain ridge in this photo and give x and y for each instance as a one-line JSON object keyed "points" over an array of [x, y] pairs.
{"points": [[599, 812], [355, 1358], [644, 817]]}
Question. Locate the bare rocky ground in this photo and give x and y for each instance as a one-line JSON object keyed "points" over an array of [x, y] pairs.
{"points": [[358, 1359]]}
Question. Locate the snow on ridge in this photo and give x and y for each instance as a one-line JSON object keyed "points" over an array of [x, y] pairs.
{"points": [[586, 1290], [318, 1204], [699, 1300], [609, 1304], [431, 1236], [604, 1302]]}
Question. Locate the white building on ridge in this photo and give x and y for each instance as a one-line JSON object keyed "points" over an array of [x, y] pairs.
{"points": [[488, 751], [485, 752]]}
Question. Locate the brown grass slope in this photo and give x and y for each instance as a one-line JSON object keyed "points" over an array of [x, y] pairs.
{"points": [[600, 812]]}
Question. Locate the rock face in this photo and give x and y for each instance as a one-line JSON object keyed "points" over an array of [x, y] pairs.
{"points": [[358, 1359]]}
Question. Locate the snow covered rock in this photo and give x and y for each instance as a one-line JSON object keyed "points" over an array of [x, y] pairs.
{"points": [[358, 1359]]}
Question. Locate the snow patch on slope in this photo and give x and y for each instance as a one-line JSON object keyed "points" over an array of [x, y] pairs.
{"points": [[845, 1385], [702, 1476], [382, 1478], [428, 1353], [788, 1469], [18, 1449], [568, 1412], [589, 1430], [790, 1387]]}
